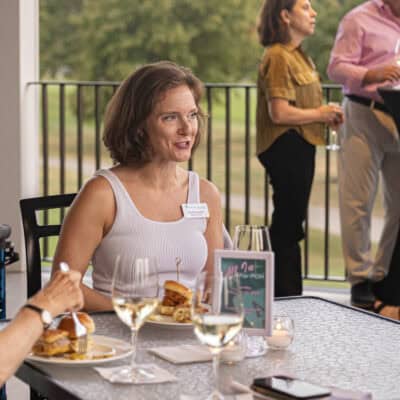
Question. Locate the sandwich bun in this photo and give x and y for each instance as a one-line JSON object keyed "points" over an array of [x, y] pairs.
{"points": [[67, 324], [52, 335], [51, 343], [177, 287]]}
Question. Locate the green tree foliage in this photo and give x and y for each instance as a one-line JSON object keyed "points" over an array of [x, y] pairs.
{"points": [[107, 39], [59, 37], [111, 37]]}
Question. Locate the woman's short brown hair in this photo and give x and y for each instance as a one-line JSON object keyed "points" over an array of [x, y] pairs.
{"points": [[124, 134], [271, 28]]}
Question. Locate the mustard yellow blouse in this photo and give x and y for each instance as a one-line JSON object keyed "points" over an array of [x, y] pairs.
{"points": [[288, 74]]}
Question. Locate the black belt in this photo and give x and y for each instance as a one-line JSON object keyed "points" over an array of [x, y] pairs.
{"points": [[368, 102]]}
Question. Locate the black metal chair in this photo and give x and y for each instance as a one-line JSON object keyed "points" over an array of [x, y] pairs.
{"points": [[33, 231]]}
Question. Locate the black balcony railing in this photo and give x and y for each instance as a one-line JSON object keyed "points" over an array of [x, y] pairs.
{"points": [[71, 150]]}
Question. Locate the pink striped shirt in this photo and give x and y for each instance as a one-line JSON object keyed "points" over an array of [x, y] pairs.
{"points": [[366, 38]]}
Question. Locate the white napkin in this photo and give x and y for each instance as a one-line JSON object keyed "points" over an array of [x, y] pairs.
{"points": [[191, 353], [183, 354], [160, 375]]}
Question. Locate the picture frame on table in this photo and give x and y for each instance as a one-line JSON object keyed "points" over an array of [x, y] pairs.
{"points": [[256, 272]]}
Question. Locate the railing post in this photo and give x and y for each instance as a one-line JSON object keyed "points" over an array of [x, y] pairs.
{"points": [[227, 157], [209, 133], [79, 138], [247, 175]]}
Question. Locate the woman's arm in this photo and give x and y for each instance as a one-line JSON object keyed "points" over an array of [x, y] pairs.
{"points": [[88, 220], [283, 113], [210, 195], [62, 293], [277, 80]]}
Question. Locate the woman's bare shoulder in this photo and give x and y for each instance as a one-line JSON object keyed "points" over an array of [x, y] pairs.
{"points": [[96, 191], [209, 191]]}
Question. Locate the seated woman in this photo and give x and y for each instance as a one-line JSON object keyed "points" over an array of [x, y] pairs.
{"points": [[153, 123]]}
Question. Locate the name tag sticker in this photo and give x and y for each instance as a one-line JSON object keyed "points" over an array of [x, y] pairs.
{"points": [[195, 210]]}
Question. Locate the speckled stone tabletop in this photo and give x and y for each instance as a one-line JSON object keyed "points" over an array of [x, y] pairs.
{"points": [[334, 345]]}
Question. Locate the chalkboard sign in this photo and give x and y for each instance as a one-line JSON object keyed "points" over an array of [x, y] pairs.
{"points": [[256, 272]]}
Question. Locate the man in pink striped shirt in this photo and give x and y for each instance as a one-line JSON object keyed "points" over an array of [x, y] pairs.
{"points": [[366, 55]]}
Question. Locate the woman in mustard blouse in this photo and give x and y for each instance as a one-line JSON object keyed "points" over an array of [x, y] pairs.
{"points": [[290, 123]]}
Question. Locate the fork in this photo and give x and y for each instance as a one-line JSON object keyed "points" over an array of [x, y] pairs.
{"points": [[80, 330]]}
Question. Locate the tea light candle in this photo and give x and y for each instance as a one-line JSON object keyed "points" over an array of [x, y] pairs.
{"points": [[281, 336], [280, 339]]}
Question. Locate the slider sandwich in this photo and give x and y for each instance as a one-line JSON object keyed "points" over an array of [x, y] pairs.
{"points": [[67, 324], [176, 301], [63, 341], [175, 295], [52, 342]]}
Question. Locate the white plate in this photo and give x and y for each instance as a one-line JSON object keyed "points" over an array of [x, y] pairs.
{"points": [[167, 321], [102, 345]]}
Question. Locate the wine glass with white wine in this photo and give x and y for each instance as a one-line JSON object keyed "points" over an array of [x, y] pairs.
{"points": [[217, 327], [396, 52], [135, 297], [333, 134]]}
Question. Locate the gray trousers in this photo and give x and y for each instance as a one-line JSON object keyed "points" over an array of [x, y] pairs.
{"points": [[369, 147]]}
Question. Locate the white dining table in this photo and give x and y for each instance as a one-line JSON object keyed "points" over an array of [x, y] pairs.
{"points": [[334, 345]]}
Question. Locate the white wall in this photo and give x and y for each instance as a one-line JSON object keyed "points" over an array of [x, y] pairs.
{"points": [[19, 64]]}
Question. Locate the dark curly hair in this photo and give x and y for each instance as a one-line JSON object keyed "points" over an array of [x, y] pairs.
{"points": [[270, 27], [124, 134]]}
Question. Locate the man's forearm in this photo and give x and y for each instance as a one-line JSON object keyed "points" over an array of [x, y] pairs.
{"points": [[347, 74]]}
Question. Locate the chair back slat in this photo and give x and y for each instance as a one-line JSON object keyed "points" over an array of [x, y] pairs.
{"points": [[33, 232]]}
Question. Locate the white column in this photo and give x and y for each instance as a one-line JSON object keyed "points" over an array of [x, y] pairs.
{"points": [[19, 64]]}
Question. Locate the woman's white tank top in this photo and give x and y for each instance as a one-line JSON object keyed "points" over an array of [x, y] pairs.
{"points": [[132, 235]]}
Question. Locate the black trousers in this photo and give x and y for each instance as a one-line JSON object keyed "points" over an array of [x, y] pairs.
{"points": [[388, 289], [290, 163]]}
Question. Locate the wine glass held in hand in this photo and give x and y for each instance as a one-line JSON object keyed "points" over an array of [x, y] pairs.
{"points": [[397, 52], [252, 238], [217, 327], [333, 135], [135, 297]]}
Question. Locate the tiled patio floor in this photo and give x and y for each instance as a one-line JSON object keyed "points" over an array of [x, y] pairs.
{"points": [[16, 297]]}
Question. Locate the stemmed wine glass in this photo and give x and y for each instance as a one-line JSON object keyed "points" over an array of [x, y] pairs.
{"points": [[252, 238], [333, 136], [397, 52], [135, 297], [217, 327]]}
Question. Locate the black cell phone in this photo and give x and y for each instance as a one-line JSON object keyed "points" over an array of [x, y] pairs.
{"points": [[284, 387]]}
